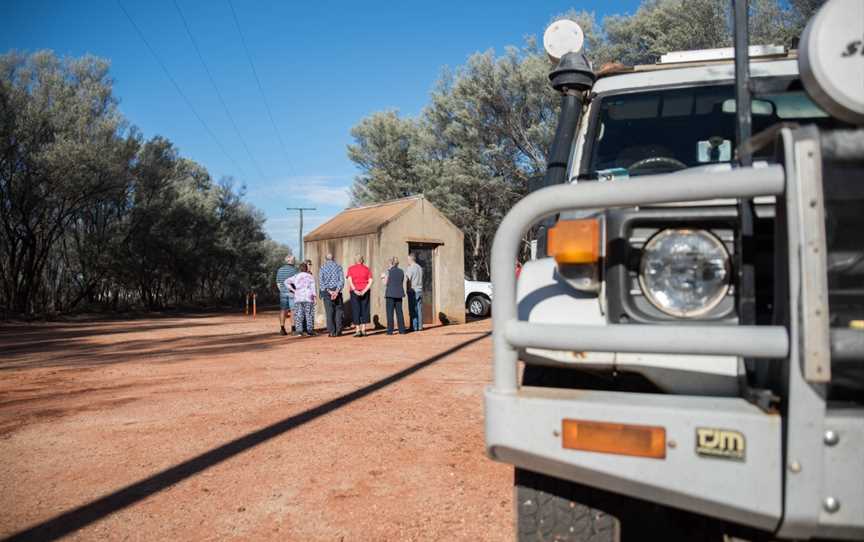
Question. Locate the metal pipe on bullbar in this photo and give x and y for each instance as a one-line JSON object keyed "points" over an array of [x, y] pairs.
{"points": [[747, 341], [675, 187]]}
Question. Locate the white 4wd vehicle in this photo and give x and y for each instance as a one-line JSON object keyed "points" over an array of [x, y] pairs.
{"points": [[478, 297], [693, 330]]}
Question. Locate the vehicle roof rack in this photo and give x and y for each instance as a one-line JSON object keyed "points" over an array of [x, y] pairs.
{"points": [[722, 53]]}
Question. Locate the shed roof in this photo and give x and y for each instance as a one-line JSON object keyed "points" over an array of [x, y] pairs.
{"points": [[361, 220]]}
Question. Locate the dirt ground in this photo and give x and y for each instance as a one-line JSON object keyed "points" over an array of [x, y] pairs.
{"points": [[215, 427]]}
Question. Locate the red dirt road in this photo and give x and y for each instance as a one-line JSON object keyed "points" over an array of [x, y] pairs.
{"points": [[215, 427]]}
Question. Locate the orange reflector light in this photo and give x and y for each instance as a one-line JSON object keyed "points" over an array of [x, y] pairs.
{"points": [[574, 241], [614, 438]]}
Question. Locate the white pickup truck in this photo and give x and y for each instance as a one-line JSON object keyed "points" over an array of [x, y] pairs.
{"points": [[478, 298]]}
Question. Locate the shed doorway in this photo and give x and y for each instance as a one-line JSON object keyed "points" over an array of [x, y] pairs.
{"points": [[425, 254]]}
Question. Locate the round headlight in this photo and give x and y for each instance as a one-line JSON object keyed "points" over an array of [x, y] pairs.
{"points": [[683, 272]]}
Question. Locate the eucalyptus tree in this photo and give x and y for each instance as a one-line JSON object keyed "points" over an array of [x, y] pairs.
{"points": [[492, 120], [388, 150], [660, 26], [62, 145], [489, 123], [471, 152], [93, 216]]}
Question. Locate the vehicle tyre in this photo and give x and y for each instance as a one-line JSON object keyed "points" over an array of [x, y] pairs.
{"points": [[479, 306], [544, 514]]}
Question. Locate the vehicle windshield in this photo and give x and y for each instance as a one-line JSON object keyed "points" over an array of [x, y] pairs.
{"points": [[668, 130]]}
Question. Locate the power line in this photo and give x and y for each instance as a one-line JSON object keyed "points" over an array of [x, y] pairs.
{"points": [[179, 90], [261, 88], [216, 88]]}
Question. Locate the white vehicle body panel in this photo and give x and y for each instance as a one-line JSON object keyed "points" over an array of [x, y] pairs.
{"points": [[703, 74], [477, 287], [544, 297]]}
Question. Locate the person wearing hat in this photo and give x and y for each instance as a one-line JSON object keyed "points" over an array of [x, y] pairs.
{"points": [[286, 296]]}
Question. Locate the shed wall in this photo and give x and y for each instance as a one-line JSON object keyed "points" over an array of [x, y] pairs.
{"points": [[422, 223], [344, 250]]}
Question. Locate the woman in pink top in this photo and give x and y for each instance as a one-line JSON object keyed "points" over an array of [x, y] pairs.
{"points": [[303, 286]]}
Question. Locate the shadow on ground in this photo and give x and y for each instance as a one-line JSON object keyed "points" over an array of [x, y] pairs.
{"points": [[62, 331], [69, 351]]}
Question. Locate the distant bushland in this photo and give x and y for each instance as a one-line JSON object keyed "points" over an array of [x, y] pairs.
{"points": [[94, 217]]}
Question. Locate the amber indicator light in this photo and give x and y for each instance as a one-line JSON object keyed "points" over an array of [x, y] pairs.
{"points": [[614, 438], [574, 241]]}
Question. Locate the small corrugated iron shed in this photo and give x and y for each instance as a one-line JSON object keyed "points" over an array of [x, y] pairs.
{"points": [[395, 228]]}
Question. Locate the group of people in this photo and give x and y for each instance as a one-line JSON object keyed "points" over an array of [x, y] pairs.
{"points": [[298, 293]]}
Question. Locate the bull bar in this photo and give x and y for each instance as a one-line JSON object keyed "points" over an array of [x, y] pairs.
{"points": [[796, 475], [511, 334], [522, 423]]}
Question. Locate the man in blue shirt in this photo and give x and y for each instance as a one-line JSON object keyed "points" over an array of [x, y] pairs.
{"points": [[286, 297], [331, 280]]}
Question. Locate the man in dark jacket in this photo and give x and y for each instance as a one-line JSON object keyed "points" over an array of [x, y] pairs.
{"points": [[394, 291]]}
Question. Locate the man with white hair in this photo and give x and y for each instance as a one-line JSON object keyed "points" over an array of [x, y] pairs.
{"points": [[286, 297], [331, 281], [414, 287]]}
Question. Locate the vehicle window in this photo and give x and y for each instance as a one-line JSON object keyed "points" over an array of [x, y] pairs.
{"points": [[795, 106], [668, 130]]}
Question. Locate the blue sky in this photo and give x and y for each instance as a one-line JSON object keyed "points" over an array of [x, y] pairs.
{"points": [[323, 66]]}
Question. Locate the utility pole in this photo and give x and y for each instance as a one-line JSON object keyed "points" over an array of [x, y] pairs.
{"points": [[301, 209]]}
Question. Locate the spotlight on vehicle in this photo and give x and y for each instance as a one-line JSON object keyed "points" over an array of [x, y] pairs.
{"points": [[562, 37]]}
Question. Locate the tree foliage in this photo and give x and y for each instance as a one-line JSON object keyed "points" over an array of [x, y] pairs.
{"points": [[661, 26], [390, 152], [489, 123], [94, 216], [472, 151]]}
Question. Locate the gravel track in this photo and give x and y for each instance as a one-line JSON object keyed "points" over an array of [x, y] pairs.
{"points": [[215, 427]]}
